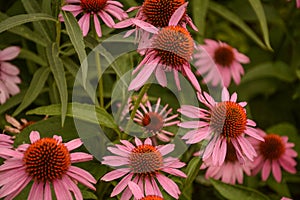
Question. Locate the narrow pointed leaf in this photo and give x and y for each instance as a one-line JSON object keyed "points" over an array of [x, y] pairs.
{"points": [[233, 18], [17, 20], [259, 10], [237, 192], [36, 85], [76, 38], [58, 72], [85, 112]]}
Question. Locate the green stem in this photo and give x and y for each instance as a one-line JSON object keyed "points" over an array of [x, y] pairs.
{"points": [[100, 83], [136, 105]]}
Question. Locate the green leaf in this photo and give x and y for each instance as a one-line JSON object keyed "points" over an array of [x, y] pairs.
{"points": [[17, 20], [192, 171], [25, 32], [36, 85], [88, 195], [12, 101], [278, 70], [237, 192], [58, 72], [26, 54], [43, 27], [199, 11], [85, 112], [76, 38], [259, 10], [233, 18]]}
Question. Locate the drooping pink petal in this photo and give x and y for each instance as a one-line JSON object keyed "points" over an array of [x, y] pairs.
{"points": [[73, 144], [169, 185], [165, 149], [9, 53], [115, 174], [84, 23], [135, 189], [276, 170], [178, 14], [97, 26], [80, 157], [121, 185]]}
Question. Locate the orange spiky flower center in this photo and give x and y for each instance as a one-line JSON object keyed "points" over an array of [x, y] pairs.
{"points": [[145, 160], [229, 119], [47, 159], [159, 12], [152, 197], [174, 45]]}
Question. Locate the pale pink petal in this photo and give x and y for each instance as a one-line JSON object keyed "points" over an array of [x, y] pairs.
{"points": [[266, 170], [71, 8], [37, 190], [61, 192], [13, 194], [148, 141], [169, 185], [47, 191], [97, 26], [135, 189], [142, 76], [174, 172], [84, 23], [276, 170], [80, 157], [121, 185], [118, 151], [165, 149], [115, 174], [72, 187], [191, 77], [73, 144], [9, 69], [9, 53], [34, 136], [107, 19], [161, 76], [225, 94], [178, 14], [144, 25]]}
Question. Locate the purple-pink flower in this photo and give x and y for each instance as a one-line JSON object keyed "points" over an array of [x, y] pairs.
{"points": [[218, 62], [95, 8], [16, 127], [275, 152], [46, 162], [143, 164], [154, 119], [139, 194], [231, 170], [169, 50], [222, 122], [8, 73]]}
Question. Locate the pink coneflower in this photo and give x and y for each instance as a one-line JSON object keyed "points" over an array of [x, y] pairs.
{"points": [[46, 161], [155, 119], [298, 3], [231, 170], [143, 164], [139, 194], [223, 122], [214, 58], [274, 153], [8, 73], [170, 50], [17, 126], [95, 8], [6, 142]]}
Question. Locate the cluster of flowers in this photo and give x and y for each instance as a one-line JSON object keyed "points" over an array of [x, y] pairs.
{"points": [[234, 145]]}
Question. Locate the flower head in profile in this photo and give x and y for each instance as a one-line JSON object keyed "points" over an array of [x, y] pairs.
{"points": [[6, 142], [275, 152], [153, 120], [16, 127], [215, 57], [95, 9], [169, 50], [221, 123], [8, 73], [145, 165], [46, 162], [231, 170]]}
